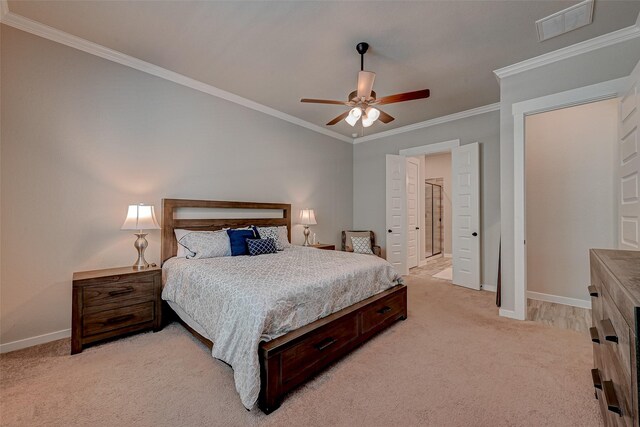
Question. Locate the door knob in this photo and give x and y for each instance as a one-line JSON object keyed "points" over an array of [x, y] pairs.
{"points": [[390, 231], [417, 228], [474, 234]]}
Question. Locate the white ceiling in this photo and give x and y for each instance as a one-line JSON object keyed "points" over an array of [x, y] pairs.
{"points": [[275, 53]]}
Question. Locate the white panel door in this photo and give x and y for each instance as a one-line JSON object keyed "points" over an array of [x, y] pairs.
{"points": [[397, 213], [413, 228], [465, 242], [628, 166]]}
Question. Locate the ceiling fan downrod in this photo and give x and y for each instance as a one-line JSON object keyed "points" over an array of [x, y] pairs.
{"points": [[362, 48]]}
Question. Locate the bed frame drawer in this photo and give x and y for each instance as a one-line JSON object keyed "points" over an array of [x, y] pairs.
{"points": [[379, 314]]}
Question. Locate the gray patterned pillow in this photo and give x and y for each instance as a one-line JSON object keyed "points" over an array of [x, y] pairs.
{"points": [[361, 245], [206, 244], [275, 233]]}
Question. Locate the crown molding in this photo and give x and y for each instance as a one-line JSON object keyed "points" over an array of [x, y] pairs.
{"points": [[595, 43], [432, 122], [53, 34]]}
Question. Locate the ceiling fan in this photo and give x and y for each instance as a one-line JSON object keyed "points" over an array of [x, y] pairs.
{"points": [[363, 101]]}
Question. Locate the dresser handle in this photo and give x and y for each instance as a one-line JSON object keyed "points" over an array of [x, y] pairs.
{"points": [[593, 331], [611, 398], [119, 319], [124, 291], [595, 376], [593, 291], [608, 331], [325, 343], [384, 309]]}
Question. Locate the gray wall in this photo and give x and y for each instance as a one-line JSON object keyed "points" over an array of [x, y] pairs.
{"points": [[597, 66], [369, 178], [83, 137]]}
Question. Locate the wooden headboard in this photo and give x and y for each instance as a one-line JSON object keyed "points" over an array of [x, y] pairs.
{"points": [[169, 246]]}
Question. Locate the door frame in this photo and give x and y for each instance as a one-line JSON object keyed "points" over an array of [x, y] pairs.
{"points": [[420, 214], [570, 98], [429, 149]]}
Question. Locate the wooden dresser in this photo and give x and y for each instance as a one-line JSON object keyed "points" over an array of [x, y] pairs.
{"points": [[615, 302], [114, 302]]}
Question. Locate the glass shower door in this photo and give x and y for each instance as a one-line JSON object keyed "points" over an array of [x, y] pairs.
{"points": [[433, 218]]}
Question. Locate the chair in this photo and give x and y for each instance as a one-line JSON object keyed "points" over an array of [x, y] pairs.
{"points": [[348, 234]]}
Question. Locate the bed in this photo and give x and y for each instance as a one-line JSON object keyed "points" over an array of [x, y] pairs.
{"points": [[277, 319]]}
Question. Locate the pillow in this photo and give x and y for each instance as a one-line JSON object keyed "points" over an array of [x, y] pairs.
{"points": [[283, 236], [348, 245], [261, 246], [238, 239], [205, 244], [271, 233], [361, 245]]}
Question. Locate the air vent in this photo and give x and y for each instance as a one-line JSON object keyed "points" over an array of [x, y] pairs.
{"points": [[566, 20]]}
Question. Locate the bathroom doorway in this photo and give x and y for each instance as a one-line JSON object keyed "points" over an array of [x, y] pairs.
{"points": [[433, 226]]}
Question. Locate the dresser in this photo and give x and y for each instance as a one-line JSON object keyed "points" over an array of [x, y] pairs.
{"points": [[615, 303], [114, 302]]}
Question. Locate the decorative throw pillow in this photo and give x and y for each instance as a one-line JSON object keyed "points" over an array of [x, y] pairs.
{"points": [[271, 233], [238, 240], [348, 245], [283, 237], [361, 245], [205, 244], [261, 246]]}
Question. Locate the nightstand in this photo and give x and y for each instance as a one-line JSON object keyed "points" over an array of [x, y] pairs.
{"points": [[114, 302], [324, 246]]}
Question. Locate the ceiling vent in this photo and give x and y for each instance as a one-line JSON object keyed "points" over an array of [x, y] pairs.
{"points": [[566, 20]]}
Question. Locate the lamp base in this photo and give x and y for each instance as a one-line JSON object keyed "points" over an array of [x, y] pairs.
{"points": [[306, 236], [141, 244]]}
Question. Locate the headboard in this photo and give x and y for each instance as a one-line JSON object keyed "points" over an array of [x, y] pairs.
{"points": [[169, 246]]}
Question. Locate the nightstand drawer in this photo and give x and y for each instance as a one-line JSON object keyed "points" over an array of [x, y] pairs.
{"points": [[101, 296], [109, 320]]}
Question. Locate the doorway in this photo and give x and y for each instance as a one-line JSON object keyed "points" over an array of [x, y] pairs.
{"points": [[433, 229]]}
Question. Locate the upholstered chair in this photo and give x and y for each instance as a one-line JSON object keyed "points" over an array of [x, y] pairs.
{"points": [[348, 234]]}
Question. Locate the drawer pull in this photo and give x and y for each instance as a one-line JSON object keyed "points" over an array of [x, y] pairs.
{"points": [[124, 291], [119, 319], [611, 398], [593, 331], [325, 343], [384, 309], [608, 331], [593, 291], [595, 376]]}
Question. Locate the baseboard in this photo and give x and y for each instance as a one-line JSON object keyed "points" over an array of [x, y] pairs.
{"points": [[30, 342], [490, 288], [511, 314], [448, 255], [574, 302]]}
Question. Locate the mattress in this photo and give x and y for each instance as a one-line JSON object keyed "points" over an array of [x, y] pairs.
{"points": [[236, 302]]}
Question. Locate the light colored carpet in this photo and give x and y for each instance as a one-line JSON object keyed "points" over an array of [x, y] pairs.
{"points": [[453, 362], [446, 274]]}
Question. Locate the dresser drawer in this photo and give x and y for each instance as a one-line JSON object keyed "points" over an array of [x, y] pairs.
{"points": [[124, 292], [318, 349], [109, 320], [615, 334], [385, 311]]}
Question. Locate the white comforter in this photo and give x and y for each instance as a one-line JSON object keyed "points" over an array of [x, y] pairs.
{"points": [[240, 301]]}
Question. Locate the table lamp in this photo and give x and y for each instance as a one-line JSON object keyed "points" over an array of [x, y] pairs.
{"points": [[140, 217], [307, 218]]}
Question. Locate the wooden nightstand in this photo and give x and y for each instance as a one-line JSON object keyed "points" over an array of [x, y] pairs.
{"points": [[114, 302], [324, 246]]}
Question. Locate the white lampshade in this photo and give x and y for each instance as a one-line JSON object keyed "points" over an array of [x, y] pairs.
{"points": [[373, 114], [307, 217], [351, 120], [366, 121], [140, 217]]}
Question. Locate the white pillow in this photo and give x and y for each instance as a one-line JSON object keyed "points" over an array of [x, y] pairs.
{"points": [[361, 245], [205, 244], [182, 251], [283, 236]]}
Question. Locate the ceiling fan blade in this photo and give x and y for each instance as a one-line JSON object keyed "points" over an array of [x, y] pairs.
{"points": [[384, 117], [337, 119], [365, 83], [401, 97], [323, 101]]}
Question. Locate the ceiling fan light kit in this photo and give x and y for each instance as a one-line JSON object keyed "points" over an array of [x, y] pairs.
{"points": [[363, 99]]}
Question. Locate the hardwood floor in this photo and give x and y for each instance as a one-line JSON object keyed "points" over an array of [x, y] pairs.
{"points": [[559, 315]]}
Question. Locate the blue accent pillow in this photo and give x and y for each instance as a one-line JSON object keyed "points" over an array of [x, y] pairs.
{"points": [[261, 246], [238, 241]]}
